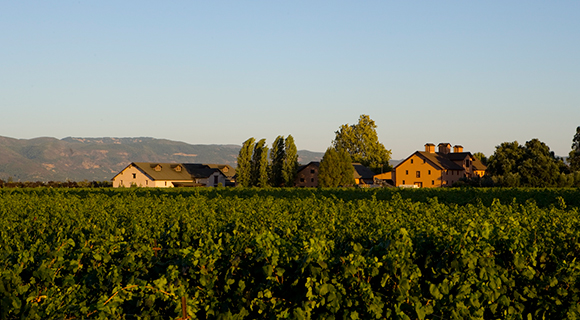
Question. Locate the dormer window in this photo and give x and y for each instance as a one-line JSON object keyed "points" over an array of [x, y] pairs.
{"points": [[157, 168], [178, 168], [225, 169]]}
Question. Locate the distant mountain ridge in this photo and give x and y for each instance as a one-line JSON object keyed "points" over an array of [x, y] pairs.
{"points": [[99, 159]]}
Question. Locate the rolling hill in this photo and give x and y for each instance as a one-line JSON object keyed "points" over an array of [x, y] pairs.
{"points": [[99, 159]]}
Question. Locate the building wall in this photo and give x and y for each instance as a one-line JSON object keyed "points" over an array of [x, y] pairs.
{"points": [[132, 176], [307, 177], [479, 173], [449, 177], [416, 171], [162, 184], [211, 180]]}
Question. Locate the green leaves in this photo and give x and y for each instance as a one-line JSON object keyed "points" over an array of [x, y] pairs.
{"points": [[303, 254]]}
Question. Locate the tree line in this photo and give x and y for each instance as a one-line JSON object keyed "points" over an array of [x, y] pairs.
{"points": [[255, 170], [356, 143], [55, 184], [529, 165]]}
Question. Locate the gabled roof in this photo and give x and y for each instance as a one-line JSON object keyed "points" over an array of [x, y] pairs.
{"points": [[478, 165], [441, 159], [302, 167], [226, 169], [174, 171], [200, 171], [436, 159], [362, 172], [456, 156], [167, 171]]}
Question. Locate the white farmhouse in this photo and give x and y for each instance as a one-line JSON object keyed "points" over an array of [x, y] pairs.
{"points": [[166, 175]]}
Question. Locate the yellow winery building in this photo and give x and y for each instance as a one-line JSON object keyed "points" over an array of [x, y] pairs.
{"points": [[429, 169]]}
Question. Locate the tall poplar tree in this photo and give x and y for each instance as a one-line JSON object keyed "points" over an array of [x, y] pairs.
{"points": [[260, 164], [574, 155], [290, 166], [244, 169], [277, 157]]}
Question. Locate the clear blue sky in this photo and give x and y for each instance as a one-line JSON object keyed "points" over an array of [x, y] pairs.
{"points": [[475, 73]]}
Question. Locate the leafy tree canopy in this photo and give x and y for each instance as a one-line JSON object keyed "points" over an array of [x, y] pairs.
{"points": [[362, 144], [290, 165], [244, 167], [260, 164], [574, 155], [335, 169], [481, 157], [529, 165]]}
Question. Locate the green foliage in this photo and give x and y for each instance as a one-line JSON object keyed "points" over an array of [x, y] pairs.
{"points": [[260, 164], [481, 157], [257, 171], [362, 143], [277, 157], [574, 155], [244, 167], [530, 165], [290, 167], [335, 169], [249, 253]]}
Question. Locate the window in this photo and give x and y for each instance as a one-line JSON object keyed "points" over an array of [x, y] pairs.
{"points": [[406, 171], [311, 170], [134, 176], [432, 182], [403, 181], [411, 161], [146, 182], [215, 180], [428, 171], [424, 161], [418, 174], [301, 179], [311, 179]]}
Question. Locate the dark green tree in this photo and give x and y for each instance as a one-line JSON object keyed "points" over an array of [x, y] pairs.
{"points": [[574, 155], [260, 165], [529, 165], [277, 157], [539, 167], [290, 166], [335, 169], [362, 144], [505, 160], [481, 157], [244, 168]]}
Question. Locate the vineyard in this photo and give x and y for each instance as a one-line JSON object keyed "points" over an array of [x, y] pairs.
{"points": [[289, 254]]}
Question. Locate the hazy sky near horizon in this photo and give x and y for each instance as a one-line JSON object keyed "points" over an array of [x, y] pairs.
{"points": [[218, 72]]}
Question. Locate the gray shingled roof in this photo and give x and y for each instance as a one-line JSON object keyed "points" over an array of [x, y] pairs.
{"points": [[169, 170], [226, 169], [362, 172]]}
